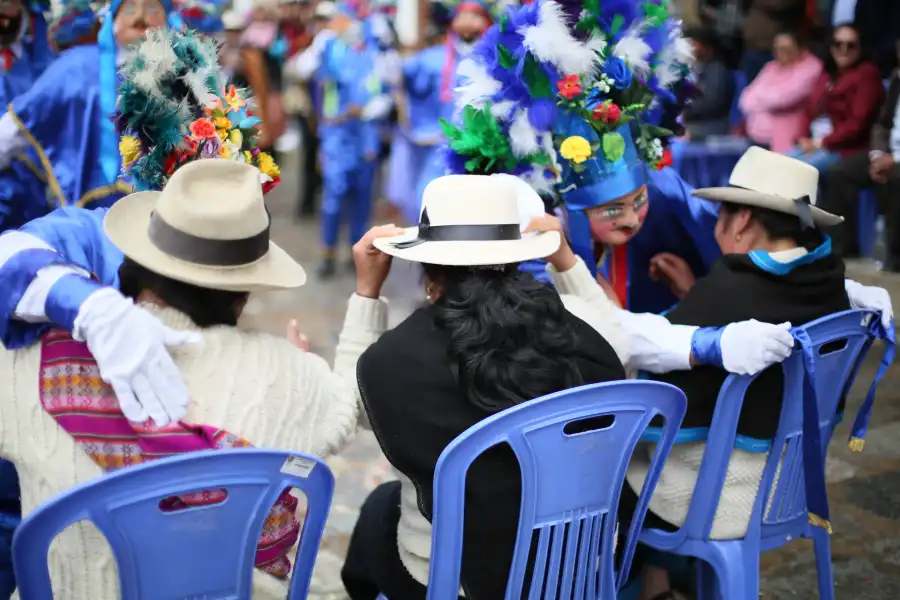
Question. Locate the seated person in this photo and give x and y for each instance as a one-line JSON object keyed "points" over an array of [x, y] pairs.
{"points": [[877, 168], [489, 338], [295, 399], [774, 104], [843, 104], [709, 114], [777, 266]]}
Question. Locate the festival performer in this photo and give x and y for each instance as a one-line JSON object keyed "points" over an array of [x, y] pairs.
{"points": [[340, 69], [69, 128], [203, 16], [263, 51]]}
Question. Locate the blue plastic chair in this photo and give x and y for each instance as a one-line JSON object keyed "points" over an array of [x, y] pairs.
{"points": [[730, 569], [867, 218], [571, 485], [200, 552]]}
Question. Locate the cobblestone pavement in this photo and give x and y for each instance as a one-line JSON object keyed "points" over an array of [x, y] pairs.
{"points": [[864, 488]]}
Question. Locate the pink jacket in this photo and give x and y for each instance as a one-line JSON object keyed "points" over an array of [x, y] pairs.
{"points": [[775, 102]]}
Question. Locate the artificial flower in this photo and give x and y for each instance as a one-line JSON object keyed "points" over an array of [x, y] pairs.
{"points": [[223, 124], [169, 165], [267, 165], [225, 150], [211, 147], [233, 99], [665, 161], [215, 109], [203, 129], [236, 138], [268, 186], [575, 148], [248, 158], [607, 112], [569, 86], [130, 149], [617, 70]]}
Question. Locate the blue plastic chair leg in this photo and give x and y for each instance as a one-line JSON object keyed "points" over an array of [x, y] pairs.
{"points": [[731, 572], [822, 542]]}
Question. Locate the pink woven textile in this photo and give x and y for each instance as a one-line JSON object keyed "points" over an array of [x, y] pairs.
{"points": [[73, 393]]}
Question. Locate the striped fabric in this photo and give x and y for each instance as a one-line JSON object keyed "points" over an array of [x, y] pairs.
{"points": [[73, 393]]}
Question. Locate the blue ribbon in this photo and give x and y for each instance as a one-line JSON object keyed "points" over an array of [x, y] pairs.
{"points": [[861, 423], [813, 459]]}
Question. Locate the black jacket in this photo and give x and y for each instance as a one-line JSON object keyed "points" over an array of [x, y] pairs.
{"points": [[736, 289], [416, 409]]}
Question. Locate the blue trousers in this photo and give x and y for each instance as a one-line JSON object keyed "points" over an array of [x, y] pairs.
{"points": [[346, 183]]}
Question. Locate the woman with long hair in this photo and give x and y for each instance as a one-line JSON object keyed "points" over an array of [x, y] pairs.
{"points": [[489, 338], [844, 102]]}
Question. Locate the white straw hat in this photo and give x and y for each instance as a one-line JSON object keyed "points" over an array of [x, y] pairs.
{"points": [[209, 227], [471, 220], [774, 181]]}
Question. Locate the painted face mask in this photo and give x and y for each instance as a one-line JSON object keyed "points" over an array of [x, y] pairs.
{"points": [[616, 222]]}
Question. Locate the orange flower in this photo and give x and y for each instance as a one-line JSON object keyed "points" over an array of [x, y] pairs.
{"points": [[203, 129], [234, 100], [569, 86]]}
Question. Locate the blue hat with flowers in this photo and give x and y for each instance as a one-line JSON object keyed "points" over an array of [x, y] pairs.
{"points": [[574, 96], [204, 16]]}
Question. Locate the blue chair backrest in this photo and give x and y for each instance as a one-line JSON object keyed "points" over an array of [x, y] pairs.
{"points": [[840, 342], [200, 552], [571, 484]]}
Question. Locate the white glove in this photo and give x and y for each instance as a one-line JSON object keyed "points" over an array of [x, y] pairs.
{"points": [[748, 347], [377, 108], [870, 297], [129, 345]]}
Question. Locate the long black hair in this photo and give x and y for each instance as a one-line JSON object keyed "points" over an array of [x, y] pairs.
{"points": [[510, 340], [206, 307], [779, 225]]}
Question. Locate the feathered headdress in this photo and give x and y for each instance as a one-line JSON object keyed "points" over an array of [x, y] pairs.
{"points": [[74, 20], [174, 108], [204, 16], [571, 95]]}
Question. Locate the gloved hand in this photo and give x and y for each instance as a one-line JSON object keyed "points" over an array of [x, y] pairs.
{"points": [[871, 298], [744, 348], [130, 347]]}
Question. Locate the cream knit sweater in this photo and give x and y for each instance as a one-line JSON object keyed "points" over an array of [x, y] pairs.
{"points": [[255, 385]]}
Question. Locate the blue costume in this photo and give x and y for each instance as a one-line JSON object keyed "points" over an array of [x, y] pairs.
{"points": [[203, 16], [590, 136], [70, 129], [342, 77], [24, 62]]}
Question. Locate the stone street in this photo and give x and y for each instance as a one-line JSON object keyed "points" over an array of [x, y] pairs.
{"points": [[863, 488]]}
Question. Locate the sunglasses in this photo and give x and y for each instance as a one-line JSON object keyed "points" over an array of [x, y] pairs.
{"points": [[841, 45]]}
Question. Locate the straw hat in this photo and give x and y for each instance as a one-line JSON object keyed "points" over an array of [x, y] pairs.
{"points": [[209, 227], [774, 181], [470, 220]]}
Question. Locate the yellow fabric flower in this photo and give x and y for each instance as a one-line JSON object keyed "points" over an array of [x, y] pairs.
{"points": [[130, 149], [225, 151], [267, 165], [236, 138], [575, 148]]}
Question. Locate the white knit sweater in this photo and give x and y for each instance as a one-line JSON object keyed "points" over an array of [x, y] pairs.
{"points": [[255, 385]]}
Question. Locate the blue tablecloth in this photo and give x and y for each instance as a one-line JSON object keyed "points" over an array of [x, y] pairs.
{"points": [[708, 164]]}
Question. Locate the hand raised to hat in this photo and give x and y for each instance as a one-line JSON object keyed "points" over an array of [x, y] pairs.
{"points": [[563, 259], [372, 265]]}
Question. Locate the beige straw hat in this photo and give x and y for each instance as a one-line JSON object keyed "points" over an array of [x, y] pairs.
{"points": [[774, 181], [209, 227], [471, 220]]}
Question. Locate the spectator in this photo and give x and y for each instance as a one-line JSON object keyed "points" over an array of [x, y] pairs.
{"points": [[763, 20], [878, 169], [774, 104], [230, 54], [843, 105], [879, 23], [710, 113]]}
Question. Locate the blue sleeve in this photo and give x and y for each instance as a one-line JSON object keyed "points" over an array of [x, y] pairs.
{"points": [[77, 234]]}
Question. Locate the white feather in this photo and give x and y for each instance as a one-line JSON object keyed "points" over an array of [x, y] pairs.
{"points": [[503, 109], [634, 50], [477, 85], [522, 136], [550, 41], [197, 84]]}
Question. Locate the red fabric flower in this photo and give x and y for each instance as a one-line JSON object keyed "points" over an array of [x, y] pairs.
{"points": [[268, 186], [169, 165], [203, 129], [569, 86], [608, 113], [665, 160]]}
